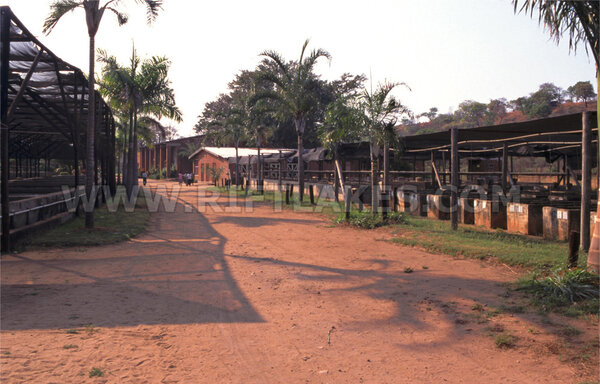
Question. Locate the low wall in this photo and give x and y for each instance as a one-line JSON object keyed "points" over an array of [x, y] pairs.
{"points": [[489, 213], [33, 213], [526, 219]]}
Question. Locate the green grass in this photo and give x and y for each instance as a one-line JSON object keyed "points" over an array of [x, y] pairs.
{"points": [[572, 292], [505, 340], [96, 372], [70, 346], [479, 243], [277, 198], [109, 228], [366, 219]]}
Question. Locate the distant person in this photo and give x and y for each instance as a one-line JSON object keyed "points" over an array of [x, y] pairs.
{"points": [[180, 178], [144, 177]]}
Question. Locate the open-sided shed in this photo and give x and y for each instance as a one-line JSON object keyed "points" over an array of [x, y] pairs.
{"points": [[45, 109]]}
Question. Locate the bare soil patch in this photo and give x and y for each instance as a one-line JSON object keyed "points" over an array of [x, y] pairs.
{"points": [[268, 297]]}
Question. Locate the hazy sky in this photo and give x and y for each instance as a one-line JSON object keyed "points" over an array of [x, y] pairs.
{"points": [[446, 51]]}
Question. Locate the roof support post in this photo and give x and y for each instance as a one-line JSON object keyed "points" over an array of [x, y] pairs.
{"points": [[5, 18], [504, 168], [586, 178], [454, 177]]}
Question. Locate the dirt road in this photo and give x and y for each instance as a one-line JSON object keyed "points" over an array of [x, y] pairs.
{"points": [[271, 297]]}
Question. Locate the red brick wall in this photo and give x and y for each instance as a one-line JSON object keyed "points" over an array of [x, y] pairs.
{"points": [[202, 161]]}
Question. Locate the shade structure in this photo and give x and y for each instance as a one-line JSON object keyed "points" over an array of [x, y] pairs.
{"points": [[550, 137], [44, 107]]}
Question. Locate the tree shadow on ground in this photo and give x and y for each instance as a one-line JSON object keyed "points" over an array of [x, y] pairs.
{"points": [[175, 274]]}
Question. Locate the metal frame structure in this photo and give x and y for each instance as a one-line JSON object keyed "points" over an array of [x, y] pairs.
{"points": [[44, 109]]}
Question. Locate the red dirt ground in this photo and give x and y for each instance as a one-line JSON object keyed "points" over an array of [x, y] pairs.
{"points": [[269, 297]]}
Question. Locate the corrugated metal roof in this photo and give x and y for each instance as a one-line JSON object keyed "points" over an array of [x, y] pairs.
{"points": [[229, 152]]}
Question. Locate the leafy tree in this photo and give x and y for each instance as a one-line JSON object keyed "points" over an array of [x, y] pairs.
{"points": [[93, 17], [542, 102], [143, 92], [582, 90], [215, 173], [295, 85], [381, 110], [497, 109], [471, 113], [432, 114]]}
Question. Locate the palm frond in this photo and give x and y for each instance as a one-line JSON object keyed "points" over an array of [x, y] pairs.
{"points": [[274, 57], [58, 9], [121, 17], [304, 46], [152, 8]]}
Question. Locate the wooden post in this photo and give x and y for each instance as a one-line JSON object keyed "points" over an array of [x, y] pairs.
{"points": [[504, 168], [586, 179], [573, 249], [311, 192], [5, 41], [279, 176], [291, 191], [348, 201], [454, 177], [287, 194], [444, 167], [432, 168], [566, 172]]}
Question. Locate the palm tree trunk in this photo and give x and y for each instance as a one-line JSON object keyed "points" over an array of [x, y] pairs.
{"points": [[386, 173], [373, 180], [91, 129], [594, 251], [259, 172], [237, 166], [300, 170], [134, 164], [129, 174]]}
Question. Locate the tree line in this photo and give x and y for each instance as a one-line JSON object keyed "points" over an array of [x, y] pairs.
{"points": [[544, 102]]}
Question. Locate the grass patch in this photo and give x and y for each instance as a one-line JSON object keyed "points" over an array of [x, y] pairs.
{"points": [[70, 346], [573, 292], [277, 199], [72, 332], [367, 220], [505, 340], [96, 372], [480, 243], [408, 270], [568, 331], [109, 228]]}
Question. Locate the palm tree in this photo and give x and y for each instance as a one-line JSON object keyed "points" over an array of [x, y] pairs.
{"points": [[295, 83], [381, 111], [580, 20], [143, 91], [93, 17], [227, 127]]}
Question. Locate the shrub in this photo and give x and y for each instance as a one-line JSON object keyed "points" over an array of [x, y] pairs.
{"points": [[574, 292], [564, 285], [505, 340]]}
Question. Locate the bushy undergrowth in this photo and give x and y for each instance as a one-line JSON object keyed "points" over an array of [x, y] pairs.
{"points": [[367, 220], [571, 291]]}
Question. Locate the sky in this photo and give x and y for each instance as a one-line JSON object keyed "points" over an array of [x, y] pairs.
{"points": [[446, 51]]}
